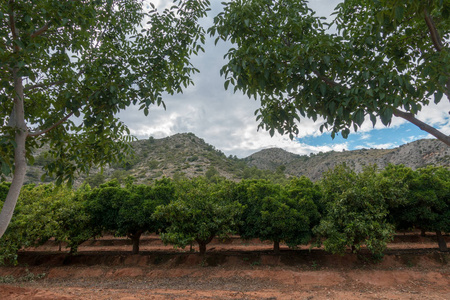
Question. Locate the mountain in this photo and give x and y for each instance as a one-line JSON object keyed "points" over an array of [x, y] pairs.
{"points": [[414, 155], [178, 155], [188, 155]]}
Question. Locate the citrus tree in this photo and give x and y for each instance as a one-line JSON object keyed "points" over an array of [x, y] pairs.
{"points": [[135, 215], [281, 214], [250, 194], [428, 202], [356, 212], [74, 220], [395, 182], [36, 220], [202, 211]]}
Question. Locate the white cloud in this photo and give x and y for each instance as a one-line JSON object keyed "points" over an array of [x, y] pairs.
{"points": [[226, 120], [365, 136], [381, 146]]}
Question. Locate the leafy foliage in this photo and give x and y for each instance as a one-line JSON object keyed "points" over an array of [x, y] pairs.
{"points": [[283, 54], [279, 214], [356, 212], [89, 60], [202, 211], [93, 59], [344, 210], [127, 211], [38, 216], [428, 202]]}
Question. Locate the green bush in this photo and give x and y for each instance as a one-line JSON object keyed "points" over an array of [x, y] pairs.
{"points": [[201, 211], [355, 212]]}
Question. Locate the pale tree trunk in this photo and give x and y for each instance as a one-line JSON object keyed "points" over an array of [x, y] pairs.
{"points": [[20, 163]]}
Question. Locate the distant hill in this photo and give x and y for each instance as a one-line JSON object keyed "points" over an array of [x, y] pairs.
{"points": [[414, 155], [188, 155]]}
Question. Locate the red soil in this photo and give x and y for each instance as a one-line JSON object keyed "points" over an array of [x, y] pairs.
{"points": [[231, 269]]}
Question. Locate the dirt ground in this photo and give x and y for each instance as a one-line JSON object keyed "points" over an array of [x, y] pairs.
{"points": [[232, 269]]}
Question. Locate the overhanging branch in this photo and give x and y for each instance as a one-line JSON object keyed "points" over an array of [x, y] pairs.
{"points": [[40, 30], [329, 82], [398, 113], [437, 42], [37, 133], [42, 85], [431, 130], [433, 32]]}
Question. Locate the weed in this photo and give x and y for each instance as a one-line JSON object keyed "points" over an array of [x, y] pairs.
{"points": [[409, 263], [204, 263], [28, 277], [7, 279], [256, 263]]}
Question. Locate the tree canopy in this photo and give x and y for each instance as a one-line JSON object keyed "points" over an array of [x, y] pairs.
{"points": [[202, 211], [68, 67], [355, 211], [388, 58]]}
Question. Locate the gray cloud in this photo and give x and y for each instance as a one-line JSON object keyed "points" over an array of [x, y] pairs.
{"points": [[226, 120]]}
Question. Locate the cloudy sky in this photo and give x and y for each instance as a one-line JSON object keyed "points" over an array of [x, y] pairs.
{"points": [[226, 120]]}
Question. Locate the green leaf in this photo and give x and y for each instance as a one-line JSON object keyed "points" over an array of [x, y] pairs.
{"points": [[386, 116], [373, 118], [399, 11], [437, 97], [5, 169], [323, 89], [358, 117]]}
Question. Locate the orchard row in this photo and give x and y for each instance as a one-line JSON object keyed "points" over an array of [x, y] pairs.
{"points": [[345, 210]]}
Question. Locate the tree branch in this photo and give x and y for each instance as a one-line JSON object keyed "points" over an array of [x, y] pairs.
{"points": [[40, 85], [37, 133], [398, 113], [437, 42], [431, 130], [40, 30], [433, 32], [329, 82], [12, 24]]}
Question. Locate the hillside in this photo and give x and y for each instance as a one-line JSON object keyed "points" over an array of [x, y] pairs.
{"points": [[177, 155], [187, 155], [414, 155]]}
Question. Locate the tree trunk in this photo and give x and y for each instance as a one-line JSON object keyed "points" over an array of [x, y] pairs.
{"points": [[202, 248], [422, 232], [135, 238], [73, 249], [202, 244], [441, 242], [17, 121], [276, 247]]}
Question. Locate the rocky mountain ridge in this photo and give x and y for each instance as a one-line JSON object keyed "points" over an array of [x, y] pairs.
{"points": [[188, 155], [414, 155]]}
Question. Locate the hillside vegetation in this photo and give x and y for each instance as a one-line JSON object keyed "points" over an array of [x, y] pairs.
{"points": [[190, 156]]}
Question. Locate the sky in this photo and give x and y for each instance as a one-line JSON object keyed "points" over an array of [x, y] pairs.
{"points": [[226, 120]]}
